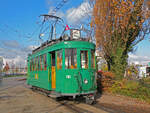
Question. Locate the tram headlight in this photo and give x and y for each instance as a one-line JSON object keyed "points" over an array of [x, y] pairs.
{"points": [[85, 81]]}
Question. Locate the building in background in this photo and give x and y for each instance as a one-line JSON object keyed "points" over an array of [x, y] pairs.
{"points": [[1, 63], [1, 67], [11, 68], [144, 70]]}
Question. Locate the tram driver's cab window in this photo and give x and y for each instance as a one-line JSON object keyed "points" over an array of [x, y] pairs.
{"points": [[59, 59], [70, 58], [93, 59], [84, 59]]}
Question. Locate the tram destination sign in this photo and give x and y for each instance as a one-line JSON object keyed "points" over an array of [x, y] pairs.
{"points": [[75, 33]]}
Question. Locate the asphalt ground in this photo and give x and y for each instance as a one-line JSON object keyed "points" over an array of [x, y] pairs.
{"points": [[17, 97]]}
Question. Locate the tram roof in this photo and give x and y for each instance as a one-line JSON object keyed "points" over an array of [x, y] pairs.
{"points": [[59, 43]]}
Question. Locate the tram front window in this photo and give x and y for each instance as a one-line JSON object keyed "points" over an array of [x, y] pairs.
{"points": [[84, 59], [59, 59], [92, 59], [71, 58]]}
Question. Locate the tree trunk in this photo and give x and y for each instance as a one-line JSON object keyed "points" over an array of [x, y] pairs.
{"points": [[109, 66], [119, 63]]}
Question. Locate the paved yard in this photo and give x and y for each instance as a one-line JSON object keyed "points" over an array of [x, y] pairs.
{"points": [[17, 97]]}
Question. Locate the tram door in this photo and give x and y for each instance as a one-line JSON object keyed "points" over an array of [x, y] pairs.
{"points": [[85, 72], [53, 70]]}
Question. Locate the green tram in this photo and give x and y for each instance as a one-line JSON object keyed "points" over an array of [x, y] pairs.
{"points": [[64, 68]]}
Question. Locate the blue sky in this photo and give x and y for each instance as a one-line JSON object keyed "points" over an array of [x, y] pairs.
{"points": [[141, 54], [22, 15], [19, 18]]}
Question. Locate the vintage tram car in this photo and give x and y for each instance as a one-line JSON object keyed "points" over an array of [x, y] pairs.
{"points": [[64, 68]]}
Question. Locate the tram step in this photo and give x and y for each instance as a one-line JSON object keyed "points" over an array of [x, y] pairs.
{"points": [[54, 95]]}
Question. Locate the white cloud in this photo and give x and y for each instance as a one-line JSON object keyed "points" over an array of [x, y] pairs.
{"points": [[19, 58], [15, 54], [138, 59], [11, 43], [75, 15], [32, 47], [18, 61]]}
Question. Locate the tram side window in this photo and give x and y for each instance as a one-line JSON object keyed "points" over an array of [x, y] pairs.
{"points": [[36, 63], [32, 64], [45, 62], [71, 58], [41, 62], [92, 59], [84, 59], [59, 59], [38, 59]]}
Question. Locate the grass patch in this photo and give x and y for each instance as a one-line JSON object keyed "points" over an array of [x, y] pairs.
{"points": [[135, 89]]}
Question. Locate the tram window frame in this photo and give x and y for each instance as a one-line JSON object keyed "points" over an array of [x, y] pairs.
{"points": [[59, 54], [85, 53], [45, 61], [70, 58], [35, 64], [38, 63], [92, 59], [32, 64], [41, 62]]}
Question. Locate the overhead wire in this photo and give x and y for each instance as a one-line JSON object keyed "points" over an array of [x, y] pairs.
{"points": [[60, 5]]}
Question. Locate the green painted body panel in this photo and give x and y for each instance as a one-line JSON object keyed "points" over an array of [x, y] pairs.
{"points": [[73, 85]]}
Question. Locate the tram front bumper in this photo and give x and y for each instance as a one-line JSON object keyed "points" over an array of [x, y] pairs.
{"points": [[79, 94]]}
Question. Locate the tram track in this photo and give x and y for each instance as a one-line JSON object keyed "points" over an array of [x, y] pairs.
{"points": [[109, 110], [74, 108], [69, 104], [72, 105], [66, 103], [11, 91]]}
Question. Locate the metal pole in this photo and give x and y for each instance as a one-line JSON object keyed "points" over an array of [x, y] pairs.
{"points": [[51, 37], [54, 31]]}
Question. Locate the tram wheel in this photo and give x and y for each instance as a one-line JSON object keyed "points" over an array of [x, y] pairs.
{"points": [[89, 100]]}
